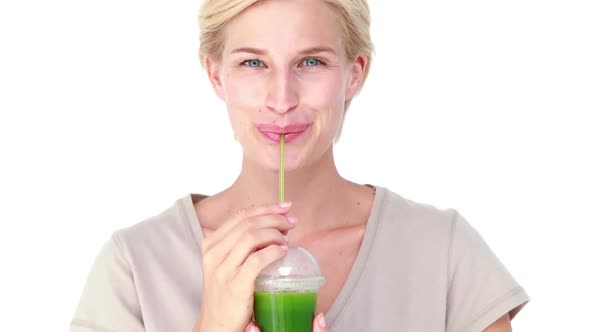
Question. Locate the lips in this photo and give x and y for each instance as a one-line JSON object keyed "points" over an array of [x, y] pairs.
{"points": [[291, 132]]}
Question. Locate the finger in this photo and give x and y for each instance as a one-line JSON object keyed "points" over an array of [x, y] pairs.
{"points": [[257, 261], [242, 214], [251, 327], [252, 225], [249, 242], [260, 210], [248, 232], [213, 254], [319, 323]]}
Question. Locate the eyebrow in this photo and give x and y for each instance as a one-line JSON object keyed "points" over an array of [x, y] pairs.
{"points": [[311, 50]]}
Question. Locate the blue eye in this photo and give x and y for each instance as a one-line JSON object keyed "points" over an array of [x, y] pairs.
{"points": [[312, 62], [253, 63]]}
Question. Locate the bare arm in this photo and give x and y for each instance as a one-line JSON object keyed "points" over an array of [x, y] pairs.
{"points": [[501, 325]]}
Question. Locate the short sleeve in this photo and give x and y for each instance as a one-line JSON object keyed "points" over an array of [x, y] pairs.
{"points": [[109, 300], [481, 289]]}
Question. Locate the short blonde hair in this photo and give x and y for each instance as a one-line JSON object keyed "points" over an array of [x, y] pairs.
{"points": [[353, 16]]}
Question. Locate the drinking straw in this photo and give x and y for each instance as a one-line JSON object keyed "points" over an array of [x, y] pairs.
{"points": [[282, 190], [282, 171]]}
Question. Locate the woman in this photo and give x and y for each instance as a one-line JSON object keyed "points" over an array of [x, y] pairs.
{"points": [[292, 68]]}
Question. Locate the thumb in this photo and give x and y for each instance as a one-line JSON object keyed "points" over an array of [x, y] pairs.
{"points": [[251, 327], [319, 323]]}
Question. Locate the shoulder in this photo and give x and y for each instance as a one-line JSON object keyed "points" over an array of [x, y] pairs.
{"points": [[412, 234], [416, 218], [158, 235], [427, 222]]}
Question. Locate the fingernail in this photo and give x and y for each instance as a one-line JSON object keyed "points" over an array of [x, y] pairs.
{"points": [[285, 248], [285, 205], [252, 328], [322, 320], [286, 238], [292, 220]]}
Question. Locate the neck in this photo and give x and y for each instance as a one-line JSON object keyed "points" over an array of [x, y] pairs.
{"points": [[316, 191]]}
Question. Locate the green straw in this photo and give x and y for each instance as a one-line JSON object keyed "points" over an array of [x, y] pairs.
{"points": [[282, 171], [282, 182]]}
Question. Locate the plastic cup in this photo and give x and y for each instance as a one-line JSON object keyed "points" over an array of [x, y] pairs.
{"points": [[286, 293]]}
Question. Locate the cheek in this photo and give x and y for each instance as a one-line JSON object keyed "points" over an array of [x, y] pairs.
{"points": [[325, 91], [243, 91], [327, 96], [242, 98]]}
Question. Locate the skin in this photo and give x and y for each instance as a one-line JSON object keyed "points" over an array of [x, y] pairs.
{"points": [[501, 325], [283, 62]]}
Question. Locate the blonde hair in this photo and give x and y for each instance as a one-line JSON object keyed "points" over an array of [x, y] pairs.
{"points": [[353, 17]]}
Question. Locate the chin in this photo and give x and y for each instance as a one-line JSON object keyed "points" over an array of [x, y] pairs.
{"points": [[267, 155], [271, 162]]}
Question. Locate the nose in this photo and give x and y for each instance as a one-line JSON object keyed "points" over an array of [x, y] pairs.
{"points": [[282, 92]]}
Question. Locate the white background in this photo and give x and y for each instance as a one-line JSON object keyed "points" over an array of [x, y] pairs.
{"points": [[107, 118]]}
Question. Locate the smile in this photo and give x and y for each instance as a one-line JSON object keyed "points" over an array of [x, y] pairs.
{"points": [[292, 132]]}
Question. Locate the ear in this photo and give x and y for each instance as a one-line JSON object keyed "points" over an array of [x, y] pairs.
{"points": [[359, 68], [214, 73]]}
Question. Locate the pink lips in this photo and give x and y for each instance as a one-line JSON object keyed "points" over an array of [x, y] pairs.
{"points": [[291, 132]]}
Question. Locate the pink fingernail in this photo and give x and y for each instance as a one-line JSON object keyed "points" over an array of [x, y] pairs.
{"points": [[285, 205], [292, 220], [322, 320], [285, 248]]}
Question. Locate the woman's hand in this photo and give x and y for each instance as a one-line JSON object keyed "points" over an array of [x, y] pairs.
{"points": [[233, 256], [319, 325]]}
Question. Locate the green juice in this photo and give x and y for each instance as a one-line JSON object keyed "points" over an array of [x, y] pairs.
{"points": [[284, 311]]}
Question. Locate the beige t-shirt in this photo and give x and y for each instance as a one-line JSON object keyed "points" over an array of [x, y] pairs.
{"points": [[419, 268]]}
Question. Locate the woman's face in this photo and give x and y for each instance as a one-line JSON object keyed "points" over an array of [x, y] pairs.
{"points": [[284, 70]]}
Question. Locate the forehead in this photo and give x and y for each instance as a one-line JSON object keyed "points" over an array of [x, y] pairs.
{"points": [[282, 25]]}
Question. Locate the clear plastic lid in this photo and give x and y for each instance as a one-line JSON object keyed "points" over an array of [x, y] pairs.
{"points": [[298, 271]]}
